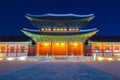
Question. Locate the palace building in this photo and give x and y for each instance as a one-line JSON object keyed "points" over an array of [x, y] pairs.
{"points": [[59, 35]]}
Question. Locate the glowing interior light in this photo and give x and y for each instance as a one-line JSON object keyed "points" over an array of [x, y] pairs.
{"points": [[10, 58], [61, 29], [57, 44], [96, 50], [54, 29], [62, 44], [22, 58], [116, 50], [77, 29], [46, 44], [118, 59], [46, 29], [42, 29], [110, 59], [58, 29], [70, 29], [75, 44], [73, 29], [107, 51], [1, 58], [49, 29], [100, 58], [65, 29]]}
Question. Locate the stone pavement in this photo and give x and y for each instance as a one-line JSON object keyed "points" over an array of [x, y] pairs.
{"points": [[58, 70], [110, 67]]}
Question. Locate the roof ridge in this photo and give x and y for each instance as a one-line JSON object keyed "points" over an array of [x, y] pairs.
{"points": [[69, 14]]}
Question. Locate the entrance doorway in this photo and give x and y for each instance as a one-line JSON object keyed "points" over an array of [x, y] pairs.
{"points": [[59, 49]]}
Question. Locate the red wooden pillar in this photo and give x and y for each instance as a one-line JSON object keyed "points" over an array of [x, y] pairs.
{"points": [[51, 49], [7, 50], [103, 49], [68, 49], [112, 49], [16, 49]]}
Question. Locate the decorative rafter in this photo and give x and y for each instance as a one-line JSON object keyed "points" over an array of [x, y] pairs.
{"points": [[60, 38]]}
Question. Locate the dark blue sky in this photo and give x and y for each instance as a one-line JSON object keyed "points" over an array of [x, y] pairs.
{"points": [[107, 12]]}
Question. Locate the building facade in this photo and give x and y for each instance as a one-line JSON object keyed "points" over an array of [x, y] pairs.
{"points": [[59, 35]]}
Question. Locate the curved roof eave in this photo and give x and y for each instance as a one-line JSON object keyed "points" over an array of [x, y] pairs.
{"points": [[60, 33], [61, 38], [60, 15], [82, 30], [50, 20], [31, 30]]}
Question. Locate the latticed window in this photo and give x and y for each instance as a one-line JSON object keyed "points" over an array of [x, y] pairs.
{"points": [[96, 49], [2, 49], [22, 49], [107, 49], [116, 48], [11, 49]]}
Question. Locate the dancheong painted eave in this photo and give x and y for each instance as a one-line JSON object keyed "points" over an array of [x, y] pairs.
{"points": [[60, 16], [60, 38], [67, 20], [64, 33]]}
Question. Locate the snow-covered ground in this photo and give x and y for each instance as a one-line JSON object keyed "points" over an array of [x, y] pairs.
{"points": [[57, 70]]}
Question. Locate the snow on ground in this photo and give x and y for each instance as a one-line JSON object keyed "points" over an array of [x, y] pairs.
{"points": [[58, 70]]}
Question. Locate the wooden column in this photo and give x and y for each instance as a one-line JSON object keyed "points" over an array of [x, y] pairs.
{"points": [[68, 49], [7, 50], [103, 49], [51, 49], [38, 48], [81, 46], [112, 49], [16, 49]]}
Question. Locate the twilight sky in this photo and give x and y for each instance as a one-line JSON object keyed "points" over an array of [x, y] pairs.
{"points": [[12, 14]]}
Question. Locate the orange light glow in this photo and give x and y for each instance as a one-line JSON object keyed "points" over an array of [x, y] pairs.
{"points": [[58, 29], [1, 58], [61, 29], [46, 29], [75, 44], [46, 44], [42, 29], [57, 44], [54, 29], [65, 29], [49, 29], [77, 29], [100, 58], [59, 48], [73, 29], [70, 29], [62, 44]]}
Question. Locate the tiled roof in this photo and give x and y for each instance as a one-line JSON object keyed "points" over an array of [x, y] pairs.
{"points": [[60, 16], [60, 32], [14, 38], [105, 39], [94, 38]]}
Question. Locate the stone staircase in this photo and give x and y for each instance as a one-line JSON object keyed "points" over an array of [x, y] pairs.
{"points": [[81, 58]]}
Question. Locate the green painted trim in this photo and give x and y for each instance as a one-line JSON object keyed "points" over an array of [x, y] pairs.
{"points": [[15, 42], [60, 38], [43, 20]]}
